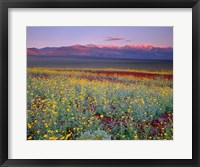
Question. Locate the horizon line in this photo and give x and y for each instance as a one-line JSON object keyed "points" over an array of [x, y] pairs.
{"points": [[105, 45]]}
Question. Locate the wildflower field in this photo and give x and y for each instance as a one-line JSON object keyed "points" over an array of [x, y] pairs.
{"points": [[99, 104]]}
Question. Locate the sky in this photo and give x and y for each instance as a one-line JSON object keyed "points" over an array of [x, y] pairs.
{"points": [[50, 36]]}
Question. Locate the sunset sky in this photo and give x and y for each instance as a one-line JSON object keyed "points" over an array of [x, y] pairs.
{"points": [[40, 37]]}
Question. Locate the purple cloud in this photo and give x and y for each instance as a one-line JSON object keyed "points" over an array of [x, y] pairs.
{"points": [[114, 38]]}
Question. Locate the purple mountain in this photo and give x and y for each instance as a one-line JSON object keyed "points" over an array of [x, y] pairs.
{"points": [[143, 51]]}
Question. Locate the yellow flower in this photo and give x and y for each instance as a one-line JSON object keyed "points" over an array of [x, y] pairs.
{"points": [[50, 131], [68, 135], [45, 136], [62, 138], [46, 125], [29, 126], [63, 100], [101, 116], [136, 137], [83, 123], [53, 112], [30, 138], [53, 138], [56, 130]]}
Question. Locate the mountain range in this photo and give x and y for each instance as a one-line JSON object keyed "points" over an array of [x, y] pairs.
{"points": [[134, 51]]}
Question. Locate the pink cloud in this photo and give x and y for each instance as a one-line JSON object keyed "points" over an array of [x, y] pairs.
{"points": [[114, 38], [128, 40]]}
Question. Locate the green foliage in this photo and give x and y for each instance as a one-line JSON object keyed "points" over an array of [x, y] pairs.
{"points": [[96, 135]]}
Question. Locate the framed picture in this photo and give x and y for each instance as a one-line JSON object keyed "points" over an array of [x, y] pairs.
{"points": [[104, 83]]}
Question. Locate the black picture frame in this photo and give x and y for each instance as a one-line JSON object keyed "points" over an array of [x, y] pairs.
{"points": [[4, 97]]}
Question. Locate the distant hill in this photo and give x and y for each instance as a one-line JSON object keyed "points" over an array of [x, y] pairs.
{"points": [[106, 51]]}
